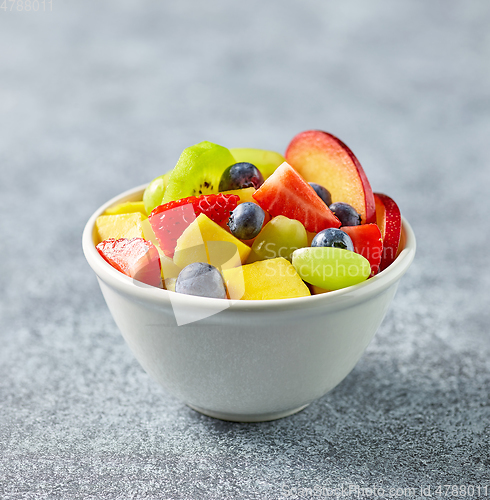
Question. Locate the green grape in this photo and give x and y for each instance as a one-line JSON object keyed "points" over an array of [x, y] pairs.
{"points": [[154, 192], [280, 237], [265, 161], [331, 268]]}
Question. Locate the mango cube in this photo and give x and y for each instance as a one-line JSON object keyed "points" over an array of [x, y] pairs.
{"points": [[265, 280], [169, 269], [206, 241], [170, 284], [245, 194], [120, 226], [127, 207]]}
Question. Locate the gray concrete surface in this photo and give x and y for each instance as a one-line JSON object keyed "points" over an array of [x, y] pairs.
{"points": [[97, 97]]}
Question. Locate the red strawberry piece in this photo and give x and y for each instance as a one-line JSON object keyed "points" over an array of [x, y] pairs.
{"points": [[136, 258], [216, 206], [286, 193], [368, 242], [170, 220]]}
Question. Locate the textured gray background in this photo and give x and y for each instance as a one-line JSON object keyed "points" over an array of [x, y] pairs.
{"points": [[100, 96]]}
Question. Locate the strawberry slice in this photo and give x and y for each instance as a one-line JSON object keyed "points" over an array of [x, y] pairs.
{"points": [[286, 193], [368, 242], [136, 258], [170, 220]]}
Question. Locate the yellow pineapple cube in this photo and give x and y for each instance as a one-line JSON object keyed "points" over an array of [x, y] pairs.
{"points": [[148, 233], [206, 241], [245, 194], [169, 269], [128, 207], [120, 226], [265, 280], [170, 284]]}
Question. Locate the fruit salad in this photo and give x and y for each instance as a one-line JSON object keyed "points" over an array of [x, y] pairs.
{"points": [[249, 224]]}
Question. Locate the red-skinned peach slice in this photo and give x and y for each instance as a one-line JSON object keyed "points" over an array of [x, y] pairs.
{"points": [[388, 219], [403, 241], [322, 158], [368, 242]]}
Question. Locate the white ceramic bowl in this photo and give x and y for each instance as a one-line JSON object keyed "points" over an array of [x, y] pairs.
{"points": [[256, 360]]}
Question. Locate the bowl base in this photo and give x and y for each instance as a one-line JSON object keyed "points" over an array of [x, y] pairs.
{"points": [[238, 417]]}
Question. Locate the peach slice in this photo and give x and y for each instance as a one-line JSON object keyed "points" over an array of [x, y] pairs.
{"points": [[322, 158], [388, 219], [368, 241]]}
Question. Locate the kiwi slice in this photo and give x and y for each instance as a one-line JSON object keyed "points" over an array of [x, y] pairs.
{"points": [[153, 195], [198, 171]]}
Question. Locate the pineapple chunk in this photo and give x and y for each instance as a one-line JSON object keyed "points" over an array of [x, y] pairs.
{"points": [[245, 194], [265, 280], [169, 269], [128, 207], [206, 241], [149, 235], [119, 226], [170, 284]]}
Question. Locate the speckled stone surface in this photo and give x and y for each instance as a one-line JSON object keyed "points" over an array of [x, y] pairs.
{"points": [[97, 97]]}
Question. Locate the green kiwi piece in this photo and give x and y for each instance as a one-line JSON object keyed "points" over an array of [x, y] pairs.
{"points": [[198, 171], [153, 195]]}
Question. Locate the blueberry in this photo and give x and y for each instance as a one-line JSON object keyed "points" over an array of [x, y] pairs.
{"points": [[201, 279], [240, 175], [333, 238], [322, 192], [246, 221], [346, 214]]}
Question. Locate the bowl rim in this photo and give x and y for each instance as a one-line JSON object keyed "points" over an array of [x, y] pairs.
{"points": [[160, 297]]}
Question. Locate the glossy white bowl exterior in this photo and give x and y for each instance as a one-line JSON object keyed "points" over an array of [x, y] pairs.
{"points": [[256, 360]]}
